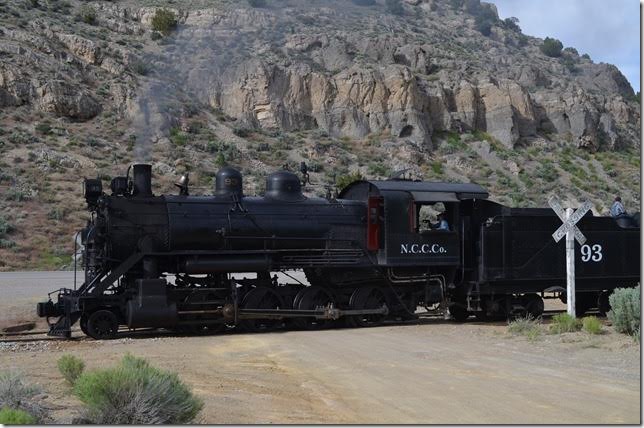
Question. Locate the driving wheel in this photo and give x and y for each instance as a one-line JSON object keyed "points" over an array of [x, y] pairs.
{"points": [[367, 298], [261, 298], [309, 299]]}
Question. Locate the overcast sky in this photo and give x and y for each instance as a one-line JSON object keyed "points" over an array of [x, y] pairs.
{"points": [[607, 30]]}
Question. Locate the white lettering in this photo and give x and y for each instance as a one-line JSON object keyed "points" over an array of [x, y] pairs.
{"points": [[422, 249]]}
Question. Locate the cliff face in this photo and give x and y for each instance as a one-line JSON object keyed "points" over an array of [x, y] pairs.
{"points": [[442, 88], [347, 69]]}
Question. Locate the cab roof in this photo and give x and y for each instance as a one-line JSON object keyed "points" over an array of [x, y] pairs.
{"points": [[421, 191]]}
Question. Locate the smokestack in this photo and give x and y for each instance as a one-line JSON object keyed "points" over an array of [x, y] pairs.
{"points": [[142, 179]]}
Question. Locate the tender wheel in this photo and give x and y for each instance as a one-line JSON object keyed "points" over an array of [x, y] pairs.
{"points": [[367, 298], [261, 298], [102, 325], [310, 298], [459, 312], [603, 303], [533, 305]]}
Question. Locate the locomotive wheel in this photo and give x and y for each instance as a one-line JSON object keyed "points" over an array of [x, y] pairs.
{"points": [[367, 298], [459, 312], [533, 305], [102, 325], [310, 298], [261, 298]]}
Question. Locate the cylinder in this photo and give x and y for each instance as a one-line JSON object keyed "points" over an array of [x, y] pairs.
{"points": [[142, 180]]}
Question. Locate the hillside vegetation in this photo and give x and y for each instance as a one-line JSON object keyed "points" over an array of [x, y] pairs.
{"points": [[444, 88]]}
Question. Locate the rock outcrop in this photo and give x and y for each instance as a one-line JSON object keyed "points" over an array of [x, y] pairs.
{"points": [[348, 70]]}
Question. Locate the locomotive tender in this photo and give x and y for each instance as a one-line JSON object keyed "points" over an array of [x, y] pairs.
{"points": [[167, 261]]}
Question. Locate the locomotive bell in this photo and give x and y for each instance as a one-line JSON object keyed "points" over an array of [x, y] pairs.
{"points": [[284, 186], [228, 182]]}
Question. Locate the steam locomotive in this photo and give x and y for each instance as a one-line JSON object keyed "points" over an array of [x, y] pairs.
{"points": [[168, 261]]}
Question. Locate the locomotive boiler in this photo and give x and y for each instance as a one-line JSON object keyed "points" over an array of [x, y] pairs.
{"points": [[208, 263]]}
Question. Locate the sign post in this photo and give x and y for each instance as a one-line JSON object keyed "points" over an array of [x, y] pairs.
{"points": [[572, 233]]}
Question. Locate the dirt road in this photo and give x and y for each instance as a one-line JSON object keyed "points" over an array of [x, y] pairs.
{"points": [[434, 372]]}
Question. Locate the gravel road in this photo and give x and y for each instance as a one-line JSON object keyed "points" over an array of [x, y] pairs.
{"points": [[432, 372]]}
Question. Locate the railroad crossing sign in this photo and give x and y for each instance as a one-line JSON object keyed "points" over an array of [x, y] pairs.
{"points": [[570, 230]]}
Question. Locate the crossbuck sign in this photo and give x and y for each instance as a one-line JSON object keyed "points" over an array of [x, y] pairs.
{"points": [[570, 230]]}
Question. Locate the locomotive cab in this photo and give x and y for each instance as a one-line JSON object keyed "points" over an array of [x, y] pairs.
{"points": [[397, 220]]}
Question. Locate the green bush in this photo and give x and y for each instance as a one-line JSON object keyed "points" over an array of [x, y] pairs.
{"points": [[526, 326], [512, 24], [565, 323], [17, 394], [43, 128], [140, 66], [164, 21], [87, 14], [242, 132], [394, 7], [551, 47], [70, 367], [5, 226], [625, 309], [177, 137], [134, 392], [592, 325], [16, 417]]}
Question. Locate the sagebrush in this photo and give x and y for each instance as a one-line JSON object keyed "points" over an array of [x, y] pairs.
{"points": [[625, 309], [17, 394], [134, 392], [71, 368]]}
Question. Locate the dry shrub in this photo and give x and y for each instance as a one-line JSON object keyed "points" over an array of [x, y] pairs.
{"points": [[527, 326], [134, 392]]}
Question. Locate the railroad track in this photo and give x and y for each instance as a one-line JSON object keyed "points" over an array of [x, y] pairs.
{"points": [[77, 334]]}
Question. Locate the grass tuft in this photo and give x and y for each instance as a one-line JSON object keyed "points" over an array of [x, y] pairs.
{"points": [[592, 325], [16, 417], [565, 323]]}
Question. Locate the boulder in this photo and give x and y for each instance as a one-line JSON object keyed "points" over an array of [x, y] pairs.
{"points": [[64, 99]]}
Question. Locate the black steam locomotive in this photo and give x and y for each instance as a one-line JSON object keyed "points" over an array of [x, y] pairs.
{"points": [[168, 261]]}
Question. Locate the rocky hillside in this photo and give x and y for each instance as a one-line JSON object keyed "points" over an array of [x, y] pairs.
{"points": [[443, 88]]}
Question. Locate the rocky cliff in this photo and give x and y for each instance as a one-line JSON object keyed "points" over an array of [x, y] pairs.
{"points": [[442, 87]]}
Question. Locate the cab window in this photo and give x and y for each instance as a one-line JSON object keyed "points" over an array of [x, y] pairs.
{"points": [[432, 217]]}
